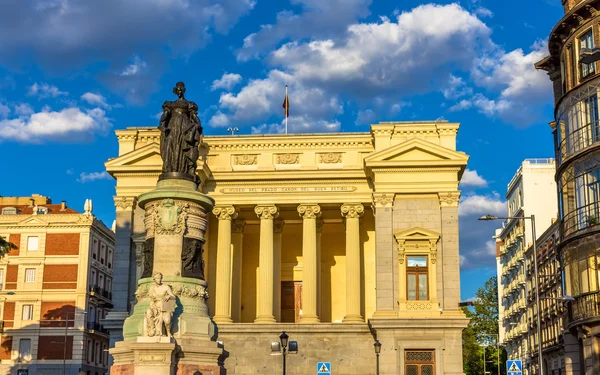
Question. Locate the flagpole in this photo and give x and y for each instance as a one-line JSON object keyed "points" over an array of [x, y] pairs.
{"points": [[287, 104]]}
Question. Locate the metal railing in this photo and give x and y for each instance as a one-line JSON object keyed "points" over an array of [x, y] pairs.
{"points": [[97, 327], [581, 218], [96, 290], [579, 139], [585, 306]]}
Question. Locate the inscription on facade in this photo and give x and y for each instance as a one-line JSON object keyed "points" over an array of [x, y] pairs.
{"points": [[289, 189]]}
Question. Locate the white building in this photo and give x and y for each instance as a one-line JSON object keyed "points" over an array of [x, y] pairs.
{"points": [[532, 191]]}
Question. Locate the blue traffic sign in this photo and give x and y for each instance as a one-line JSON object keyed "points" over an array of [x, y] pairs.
{"points": [[514, 367], [324, 368]]}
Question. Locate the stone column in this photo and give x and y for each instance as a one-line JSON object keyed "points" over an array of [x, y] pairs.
{"points": [[277, 239], [264, 311], [223, 280], [320, 286], [237, 239], [384, 256], [309, 214], [352, 213], [122, 256], [449, 270]]}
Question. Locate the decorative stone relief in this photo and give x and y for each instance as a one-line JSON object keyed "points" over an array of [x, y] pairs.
{"points": [[139, 253], [192, 263], [178, 289], [170, 218], [330, 158], [383, 199], [401, 251], [225, 212], [419, 306], [309, 211], [160, 310], [449, 199], [148, 257], [352, 211], [124, 203], [245, 159], [433, 251], [266, 212], [288, 159]]}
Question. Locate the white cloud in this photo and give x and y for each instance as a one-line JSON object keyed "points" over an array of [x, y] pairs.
{"points": [[4, 111], [482, 205], [93, 176], [69, 124], [481, 256], [45, 90], [472, 178], [135, 67], [456, 88], [484, 12], [95, 99], [227, 81], [268, 129], [23, 109], [462, 105], [397, 107], [366, 117]]}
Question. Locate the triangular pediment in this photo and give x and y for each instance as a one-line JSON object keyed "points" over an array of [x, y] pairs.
{"points": [[33, 220], [148, 155], [417, 234], [415, 151]]}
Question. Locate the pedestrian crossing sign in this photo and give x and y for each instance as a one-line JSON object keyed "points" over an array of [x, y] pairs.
{"points": [[324, 368], [514, 367]]}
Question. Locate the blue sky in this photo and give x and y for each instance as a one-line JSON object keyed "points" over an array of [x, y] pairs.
{"points": [[73, 71]]}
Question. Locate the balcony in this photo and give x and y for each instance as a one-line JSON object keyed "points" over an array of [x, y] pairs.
{"points": [[101, 292], [585, 306], [94, 327]]}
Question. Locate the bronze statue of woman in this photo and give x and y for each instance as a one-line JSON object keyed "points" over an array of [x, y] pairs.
{"points": [[180, 136]]}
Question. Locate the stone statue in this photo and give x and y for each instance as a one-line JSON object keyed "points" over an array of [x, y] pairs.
{"points": [[180, 135], [160, 311], [148, 257], [192, 264]]}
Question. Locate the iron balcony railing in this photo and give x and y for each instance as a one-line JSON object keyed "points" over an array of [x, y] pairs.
{"points": [[582, 218], [96, 290], [585, 306], [579, 139], [97, 327]]}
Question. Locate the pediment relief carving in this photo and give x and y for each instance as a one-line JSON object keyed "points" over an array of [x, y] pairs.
{"points": [[414, 150], [417, 239]]}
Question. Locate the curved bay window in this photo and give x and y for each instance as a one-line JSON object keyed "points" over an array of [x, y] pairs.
{"points": [[580, 195], [582, 273], [578, 121], [416, 278]]}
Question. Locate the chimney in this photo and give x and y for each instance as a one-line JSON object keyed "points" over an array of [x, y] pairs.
{"points": [[63, 205], [31, 202]]}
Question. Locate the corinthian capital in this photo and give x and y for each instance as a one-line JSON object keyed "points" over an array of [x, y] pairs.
{"points": [[449, 199], [123, 203], [352, 210], [266, 212], [309, 211], [224, 212]]}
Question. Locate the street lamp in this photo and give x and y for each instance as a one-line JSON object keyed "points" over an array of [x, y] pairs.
{"points": [[233, 130], [536, 277], [377, 347], [284, 346]]}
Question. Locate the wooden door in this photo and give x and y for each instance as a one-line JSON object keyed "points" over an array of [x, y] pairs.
{"points": [[419, 362], [291, 301]]}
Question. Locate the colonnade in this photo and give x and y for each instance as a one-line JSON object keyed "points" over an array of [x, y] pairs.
{"points": [[228, 270]]}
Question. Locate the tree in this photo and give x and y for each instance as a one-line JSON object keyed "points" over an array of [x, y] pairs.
{"points": [[482, 333], [5, 247]]}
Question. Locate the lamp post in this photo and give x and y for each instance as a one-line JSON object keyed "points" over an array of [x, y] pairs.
{"points": [[283, 338], [377, 346], [65, 340], [536, 279], [233, 130]]}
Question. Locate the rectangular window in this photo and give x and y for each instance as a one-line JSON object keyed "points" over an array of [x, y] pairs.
{"points": [[90, 352], [93, 278], [95, 249], [32, 243], [102, 254], [101, 281], [30, 275], [25, 350], [27, 312], [586, 41], [1, 278], [417, 281], [110, 258]]}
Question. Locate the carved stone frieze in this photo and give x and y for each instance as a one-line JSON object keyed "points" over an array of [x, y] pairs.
{"points": [[124, 203], [418, 306], [266, 212], [449, 199], [179, 289], [288, 158], [330, 158], [309, 211], [245, 159], [383, 199], [170, 217], [352, 210], [225, 212]]}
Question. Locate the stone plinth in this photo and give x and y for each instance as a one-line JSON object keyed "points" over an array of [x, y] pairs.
{"points": [[176, 218]]}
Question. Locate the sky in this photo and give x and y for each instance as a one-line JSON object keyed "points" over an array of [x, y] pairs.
{"points": [[74, 71]]}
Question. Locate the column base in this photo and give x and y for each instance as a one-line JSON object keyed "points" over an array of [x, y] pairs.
{"points": [[385, 314], [222, 319], [309, 319], [265, 319], [353, 318]]}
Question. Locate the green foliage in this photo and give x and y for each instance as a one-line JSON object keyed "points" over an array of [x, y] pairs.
{"points": [[481, 334], [5, 247]]}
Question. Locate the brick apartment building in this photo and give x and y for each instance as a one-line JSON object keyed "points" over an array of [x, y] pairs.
{"points": [[54, 288]]}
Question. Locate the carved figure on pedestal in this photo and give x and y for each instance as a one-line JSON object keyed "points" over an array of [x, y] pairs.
{"points": [[192, 263], [160, 311], [180, 134], [148, 257]]}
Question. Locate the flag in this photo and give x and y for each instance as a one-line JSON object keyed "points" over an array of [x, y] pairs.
{"points": [[286, 105]]}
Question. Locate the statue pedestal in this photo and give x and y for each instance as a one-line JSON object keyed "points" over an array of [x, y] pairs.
{"points": [[176, 221]]}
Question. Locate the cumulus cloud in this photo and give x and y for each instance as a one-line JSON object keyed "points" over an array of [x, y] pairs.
{"points": [[366, 117], [226, 82], [268, 129], [483, 255], [482, 204], [23, 109], [69, 124], [95, 99], [65, 35], [44, 90], [483, 12], [456, 88], [93, 176], [472, 178], [4, 111]]}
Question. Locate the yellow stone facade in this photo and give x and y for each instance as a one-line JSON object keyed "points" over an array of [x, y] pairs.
{"points": [[329, 225]]}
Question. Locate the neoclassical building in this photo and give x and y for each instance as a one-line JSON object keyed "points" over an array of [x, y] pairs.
{"points": [[338, 239]]}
